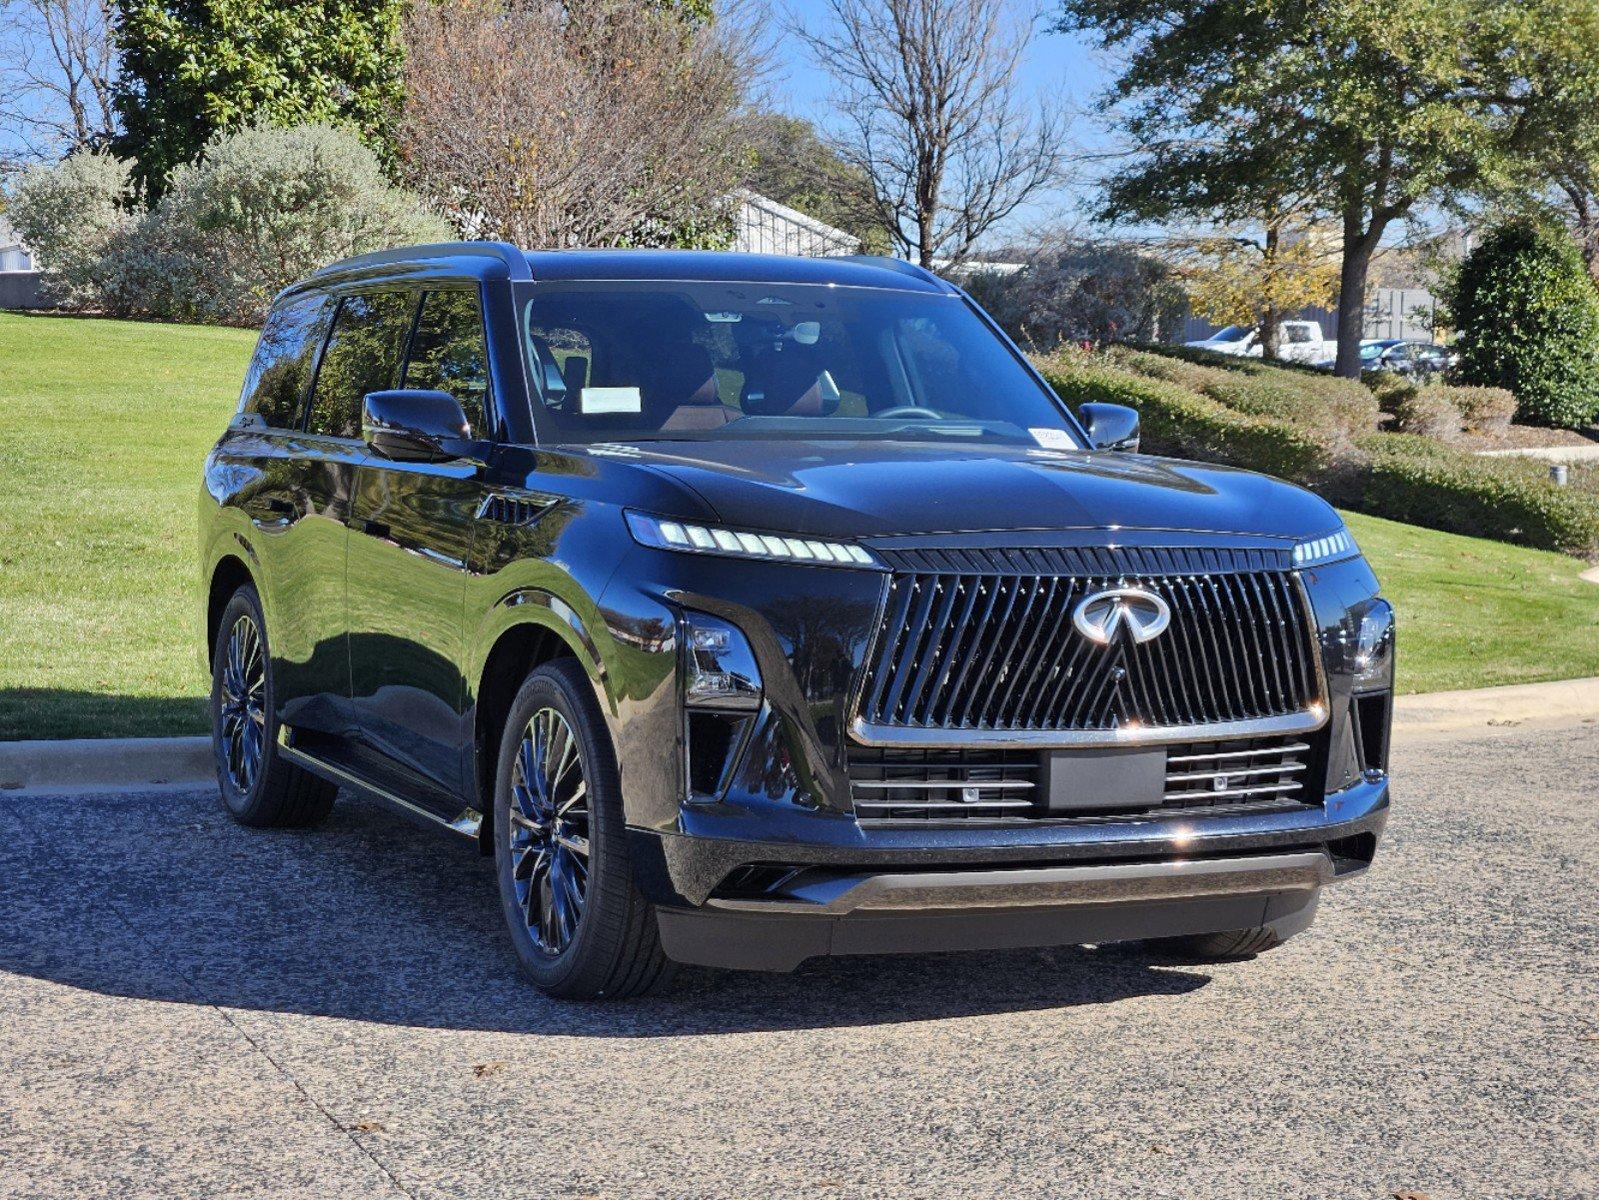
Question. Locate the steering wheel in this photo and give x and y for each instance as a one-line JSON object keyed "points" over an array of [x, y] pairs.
{"points": [[908, 410]]}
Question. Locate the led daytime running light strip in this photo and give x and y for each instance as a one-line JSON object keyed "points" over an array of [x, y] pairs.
{"points": [[1325, 549], [713, 539]]}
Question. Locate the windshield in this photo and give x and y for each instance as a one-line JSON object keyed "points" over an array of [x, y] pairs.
{"points": [[671, 361], [1233, 333]]}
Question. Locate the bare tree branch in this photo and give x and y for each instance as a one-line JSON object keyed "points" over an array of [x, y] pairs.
{"points": [[589, 123], [931, 109], [57, 64]]}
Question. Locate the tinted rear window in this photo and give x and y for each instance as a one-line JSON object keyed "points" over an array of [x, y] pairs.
{"points": [[275, 383], [363, 355]]}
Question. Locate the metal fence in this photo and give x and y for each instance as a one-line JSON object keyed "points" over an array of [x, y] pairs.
{"points": [[763, 226]]}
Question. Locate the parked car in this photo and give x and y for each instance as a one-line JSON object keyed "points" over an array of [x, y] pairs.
{"points": [[748, 609], [1299, 341], [1402, 356]]}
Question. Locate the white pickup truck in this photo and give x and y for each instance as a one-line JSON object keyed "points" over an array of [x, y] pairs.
{"points": [[1302, 341]]}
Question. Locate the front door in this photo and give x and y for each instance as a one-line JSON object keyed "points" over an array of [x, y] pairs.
{"points": [[411, 539]]}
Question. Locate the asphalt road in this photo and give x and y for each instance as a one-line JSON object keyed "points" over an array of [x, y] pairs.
{"points": [[190, 1009]]}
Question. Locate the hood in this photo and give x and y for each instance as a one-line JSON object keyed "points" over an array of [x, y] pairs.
{"points": [[846, 489]]}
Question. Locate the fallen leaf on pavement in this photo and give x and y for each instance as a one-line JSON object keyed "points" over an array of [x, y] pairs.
{"points": [[367, 1127], [483, 1070]]}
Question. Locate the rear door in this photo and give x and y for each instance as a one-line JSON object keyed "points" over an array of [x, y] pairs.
{"points": [[410, 545], [295, 530], [311, 630]]}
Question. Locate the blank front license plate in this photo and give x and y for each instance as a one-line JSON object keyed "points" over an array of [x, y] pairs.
{"points": [[1113, 778]]}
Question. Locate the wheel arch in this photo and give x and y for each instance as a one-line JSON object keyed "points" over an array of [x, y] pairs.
{"points": [[228, 575]]}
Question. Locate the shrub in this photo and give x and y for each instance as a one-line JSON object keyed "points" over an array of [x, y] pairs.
{"points": [[264, 207], [1528, 317], [69, 212], [1390, 389], [1183, 423], [1412, 479], [1428, 411], [1485, 409]]}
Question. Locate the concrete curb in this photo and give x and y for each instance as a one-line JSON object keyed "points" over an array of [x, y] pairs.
{"points": [[105, 765], [1564, 702], [145, 764]]}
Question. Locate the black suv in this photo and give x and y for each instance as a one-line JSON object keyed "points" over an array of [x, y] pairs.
{"points": [[749, 609]]}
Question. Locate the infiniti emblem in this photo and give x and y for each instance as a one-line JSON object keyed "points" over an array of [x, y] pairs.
{"points": [[1142, 614]]}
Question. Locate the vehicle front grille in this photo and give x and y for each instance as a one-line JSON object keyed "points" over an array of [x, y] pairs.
{"points": [[1202, 779], [984, 641]]}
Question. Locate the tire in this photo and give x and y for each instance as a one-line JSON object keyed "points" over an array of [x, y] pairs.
{"points": [[611, 948], [1231, 946], [259, 788]]}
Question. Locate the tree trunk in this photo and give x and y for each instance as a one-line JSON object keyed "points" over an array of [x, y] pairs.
{"points": [[1358, 247], [1271, 335]]}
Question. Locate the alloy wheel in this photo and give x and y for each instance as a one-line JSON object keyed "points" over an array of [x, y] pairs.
{"points": [[549, 842], [243, 708]]}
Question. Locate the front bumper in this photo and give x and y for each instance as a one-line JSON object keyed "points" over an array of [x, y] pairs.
{"points": [[991, 890]]}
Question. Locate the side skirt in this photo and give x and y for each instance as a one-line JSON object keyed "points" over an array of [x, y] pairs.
{"points": [[467, 824]]}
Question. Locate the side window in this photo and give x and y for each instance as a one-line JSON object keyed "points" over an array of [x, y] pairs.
{"points": [[448, 353], [1298, 334], [275, 383], [363, 355]]}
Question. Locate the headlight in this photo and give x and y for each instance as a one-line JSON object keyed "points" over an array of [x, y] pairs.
{"points": [[1371, 659], [719, 668], [713, 539], [1325, 549]]}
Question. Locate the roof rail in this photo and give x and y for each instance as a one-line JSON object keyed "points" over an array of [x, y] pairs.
{"points": [[514, 260], [899, 265]]}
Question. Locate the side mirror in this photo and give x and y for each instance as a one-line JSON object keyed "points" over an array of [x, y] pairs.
{"points": [[414, 426], [1110, 426]]}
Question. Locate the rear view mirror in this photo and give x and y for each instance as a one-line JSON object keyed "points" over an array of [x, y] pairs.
{"points": [[415, 425], [1110, 426]]}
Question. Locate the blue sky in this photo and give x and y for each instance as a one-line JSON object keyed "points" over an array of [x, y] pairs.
{"points": [[1057, 63]]}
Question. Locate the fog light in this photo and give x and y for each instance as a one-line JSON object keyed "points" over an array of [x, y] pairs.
{"points": [[719, 668]]}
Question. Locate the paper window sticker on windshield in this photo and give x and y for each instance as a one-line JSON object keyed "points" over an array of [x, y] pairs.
{"points": [[828, 388], [598, 400], [1053, 439]]}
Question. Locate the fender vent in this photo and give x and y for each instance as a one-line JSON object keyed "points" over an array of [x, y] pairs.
{"points": [[511, 510]]}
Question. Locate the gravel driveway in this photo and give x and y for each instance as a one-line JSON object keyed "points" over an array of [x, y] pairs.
{"points": [[192, 1009]]}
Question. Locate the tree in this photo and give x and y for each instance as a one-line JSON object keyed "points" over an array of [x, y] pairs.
{"points": [[931, 111], [57, 63], [794, 166], [1072, 289], [196, 68], [1258, 279], [1528, 318], [601, 123], [1367, 108]]}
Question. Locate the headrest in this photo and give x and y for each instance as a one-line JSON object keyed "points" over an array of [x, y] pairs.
{"points": [[790, 381]]}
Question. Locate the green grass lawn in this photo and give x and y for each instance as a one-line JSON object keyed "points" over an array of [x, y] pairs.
{"points": [[1474, 613], [103, 425]]}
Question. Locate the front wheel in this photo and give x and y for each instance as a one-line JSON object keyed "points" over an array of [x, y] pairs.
{"points": [[581, 928]]}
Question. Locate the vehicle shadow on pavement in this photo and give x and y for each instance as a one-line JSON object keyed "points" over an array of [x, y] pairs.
{"points": [[163, 897]]}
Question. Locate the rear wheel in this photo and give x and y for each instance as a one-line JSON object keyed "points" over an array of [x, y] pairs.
{"points": [[581, 928], [258, 786]]}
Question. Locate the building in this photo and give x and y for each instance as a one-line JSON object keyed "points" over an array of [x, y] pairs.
{"points": [[19, 277], [763, 226]]}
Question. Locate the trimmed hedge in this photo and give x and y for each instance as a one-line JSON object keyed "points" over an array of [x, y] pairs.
{"points": [[1184, 424], [1413, 479], [1218, 413], [1430, 412]]}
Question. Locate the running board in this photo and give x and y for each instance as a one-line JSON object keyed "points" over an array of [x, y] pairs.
{"points": [[468, 822]]}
